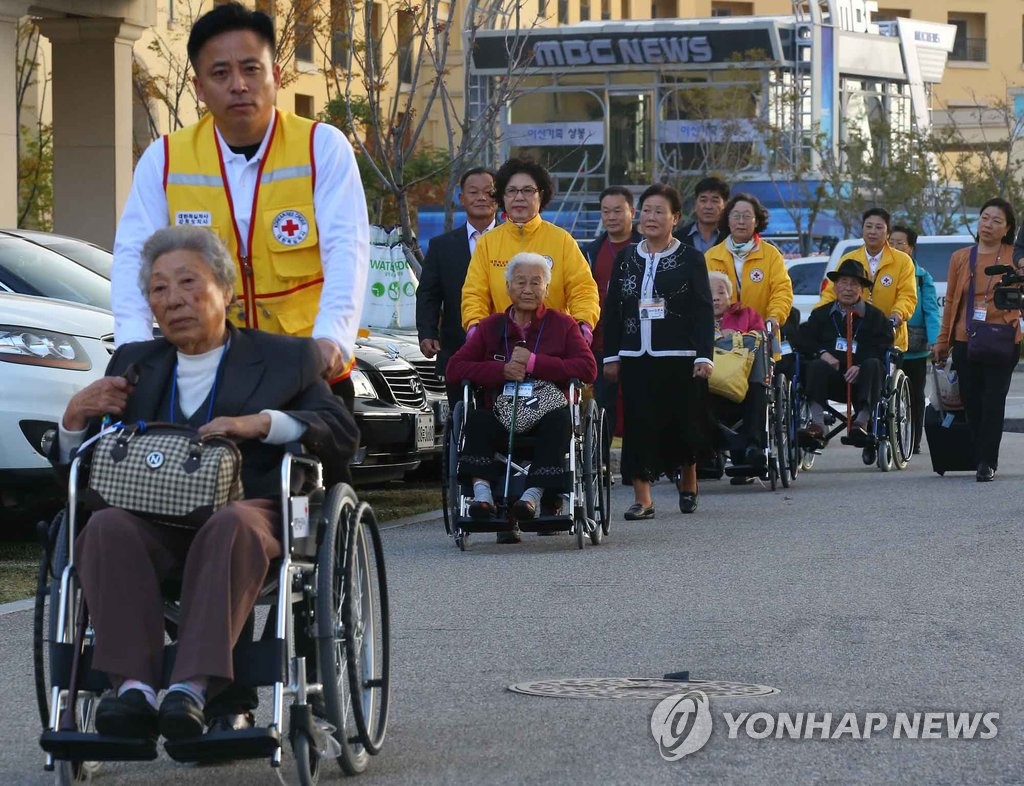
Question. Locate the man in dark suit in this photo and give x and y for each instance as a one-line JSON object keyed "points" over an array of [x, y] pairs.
{"points": [[261, 390], [709, 198], [847, 327], [617, 218], [439, 295]]}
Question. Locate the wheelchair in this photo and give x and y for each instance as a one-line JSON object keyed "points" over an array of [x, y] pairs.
{"points": [[777, 467], [890, 433], [586, 504], [325, 650]]}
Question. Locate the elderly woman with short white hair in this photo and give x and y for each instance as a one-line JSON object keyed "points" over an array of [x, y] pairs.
{"points": [[528, 342]]}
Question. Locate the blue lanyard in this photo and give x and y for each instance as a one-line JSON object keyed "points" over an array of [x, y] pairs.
{"points": [[839, 329], [213, 388], [536, 344]]}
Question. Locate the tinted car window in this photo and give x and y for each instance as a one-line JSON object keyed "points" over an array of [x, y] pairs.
{"points": [[806, 278], [934, 257], [96, 259], [33, 270]]}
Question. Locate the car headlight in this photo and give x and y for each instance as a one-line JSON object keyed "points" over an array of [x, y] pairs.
{"points": [[362, 385], [35, 347]]}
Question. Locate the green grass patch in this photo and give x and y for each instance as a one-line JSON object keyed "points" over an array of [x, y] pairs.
{"points": [[19, 562]]}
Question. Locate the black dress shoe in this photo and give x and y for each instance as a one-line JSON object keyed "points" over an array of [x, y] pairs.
{"points": [[236, 722], [180, 716], [480, 509], [985, 473], [637, 512], [511, 536], [127, 715], [687, 501], [524, 510]]}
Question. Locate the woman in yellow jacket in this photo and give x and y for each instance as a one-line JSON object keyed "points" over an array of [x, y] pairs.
{"points": [[524, 187], [756, 268], [761, 282]]}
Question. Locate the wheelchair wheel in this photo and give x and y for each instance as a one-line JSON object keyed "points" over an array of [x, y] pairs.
{"points": [[445, 475], [899, 424], [885, 457], [781, 426], [367, 627], [332, 657], [44, 623], [606, 473], [453, 430], [307, 761], [592, 472]]}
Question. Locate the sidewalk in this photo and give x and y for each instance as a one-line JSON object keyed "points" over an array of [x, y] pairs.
{"points": [[1015, 403]]}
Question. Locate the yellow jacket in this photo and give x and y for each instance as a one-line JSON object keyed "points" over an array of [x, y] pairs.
{"points": [[765, 287], [573, 289], [895, 289]]}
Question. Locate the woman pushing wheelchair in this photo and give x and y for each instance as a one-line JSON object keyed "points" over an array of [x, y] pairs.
{"points": [[260, 390]]}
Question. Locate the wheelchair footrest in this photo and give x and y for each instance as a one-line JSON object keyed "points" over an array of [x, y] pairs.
{"points": [[744, 471], [255, 743], [83, 746], [858, 442], [546, 524], [483, 525]]}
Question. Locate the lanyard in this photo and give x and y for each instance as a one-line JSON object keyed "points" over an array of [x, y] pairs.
{"points": [[840, 329], [536, 344], [213, 388]]}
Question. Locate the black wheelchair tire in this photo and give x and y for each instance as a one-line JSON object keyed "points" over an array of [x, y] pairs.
{"points": [[591, 469], [307, 763], [606, 474], [781, 426], [367, 599], [51, 565], [445, 493], [332, 672], [455, 420]]}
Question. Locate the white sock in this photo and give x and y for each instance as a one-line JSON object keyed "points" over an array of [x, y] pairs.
{"points": [[193, 688], [817, 413], [147, 691], [533, 494], [482, 491], [862, 416]]}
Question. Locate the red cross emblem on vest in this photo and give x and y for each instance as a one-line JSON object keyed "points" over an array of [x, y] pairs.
{"points": [[290, 227]]}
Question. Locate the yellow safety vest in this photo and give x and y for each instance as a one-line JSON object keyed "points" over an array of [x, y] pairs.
{"points": [[278, 282]]}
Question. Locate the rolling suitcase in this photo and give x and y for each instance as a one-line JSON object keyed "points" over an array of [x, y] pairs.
{"points": [[949, 441]]}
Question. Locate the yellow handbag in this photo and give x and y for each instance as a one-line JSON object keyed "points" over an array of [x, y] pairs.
{"points": [[730, 378]]}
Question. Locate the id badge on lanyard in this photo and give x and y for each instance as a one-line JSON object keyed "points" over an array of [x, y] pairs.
{"points": [[652, 308], [841, 345]]}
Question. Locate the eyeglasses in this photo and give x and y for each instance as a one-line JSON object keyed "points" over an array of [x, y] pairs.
{"points": [[741, 216], [526, 191]]}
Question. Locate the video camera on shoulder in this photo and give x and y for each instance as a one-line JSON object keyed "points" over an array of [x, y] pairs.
{"points": [[1008, 294]]}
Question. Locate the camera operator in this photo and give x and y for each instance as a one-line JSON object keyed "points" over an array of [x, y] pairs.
{"points": [[984, 383]]}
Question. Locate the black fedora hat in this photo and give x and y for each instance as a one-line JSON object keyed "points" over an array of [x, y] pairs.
{"points": [[853, 269]]}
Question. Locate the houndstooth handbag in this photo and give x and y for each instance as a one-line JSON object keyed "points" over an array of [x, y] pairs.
{"points": [[534, 400], [165, 473]]}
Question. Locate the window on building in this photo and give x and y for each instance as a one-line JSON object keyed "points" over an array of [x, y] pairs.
{"points": [[624, 10], [664, 9], [542, 9], [606, 9], [376, 33], [970, 44], [584, 11], [563, 12], [727, 8], [891, 14], [341, 14], [304, 105], [304, 30], [406, 30]]}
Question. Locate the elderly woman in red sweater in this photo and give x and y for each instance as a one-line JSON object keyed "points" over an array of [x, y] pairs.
{"points": [[526, 343], [734, 318]]}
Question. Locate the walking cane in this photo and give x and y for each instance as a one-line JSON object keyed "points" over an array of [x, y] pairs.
{"points": [[849, 362], [511, 434]]}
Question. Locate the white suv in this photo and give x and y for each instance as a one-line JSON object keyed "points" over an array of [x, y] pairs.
{"points": [[932, 252]]}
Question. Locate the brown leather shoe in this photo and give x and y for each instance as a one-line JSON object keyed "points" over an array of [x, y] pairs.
{"points": [[812, 435]]}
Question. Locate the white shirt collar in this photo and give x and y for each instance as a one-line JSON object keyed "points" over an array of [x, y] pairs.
{"points": [[470, 229], [228, 153]]}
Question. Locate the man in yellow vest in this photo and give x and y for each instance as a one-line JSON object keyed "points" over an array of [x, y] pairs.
{"points": [[892, 273], [282, 191]]}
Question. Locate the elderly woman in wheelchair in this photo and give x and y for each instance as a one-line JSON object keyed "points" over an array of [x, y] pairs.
{"points": [[261, 391], [731, 319], [523, 359]]}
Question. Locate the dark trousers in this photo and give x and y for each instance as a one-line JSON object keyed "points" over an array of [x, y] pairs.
{"points": [[753, 411], [984, 390], [822, 382], [916, 370], [485, 436], [122, 560]]}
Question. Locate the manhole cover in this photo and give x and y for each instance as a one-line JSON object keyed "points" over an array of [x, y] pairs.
{"points": [[637, 688]]}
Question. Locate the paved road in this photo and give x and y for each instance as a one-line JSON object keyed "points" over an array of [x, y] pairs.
{"points": [[855, 591]]}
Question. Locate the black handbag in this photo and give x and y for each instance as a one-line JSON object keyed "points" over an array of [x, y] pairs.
{"points": [[163, 472], [988, 343]]}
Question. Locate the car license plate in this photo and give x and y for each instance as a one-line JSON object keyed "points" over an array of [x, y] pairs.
{"points": [[424, 431]]}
